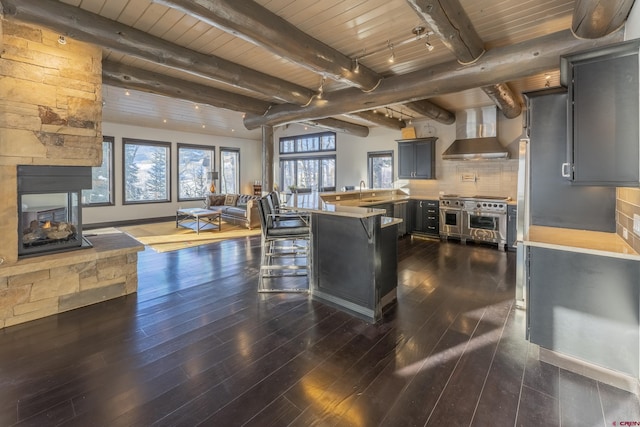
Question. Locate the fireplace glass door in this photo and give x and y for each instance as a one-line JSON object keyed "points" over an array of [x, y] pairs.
{"points": [[49, 222], [49, 208]]}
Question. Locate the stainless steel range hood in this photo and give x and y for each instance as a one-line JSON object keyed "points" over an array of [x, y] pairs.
{"points": [[476, 130]]}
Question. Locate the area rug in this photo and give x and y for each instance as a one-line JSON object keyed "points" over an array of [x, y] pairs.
{"points": [[165, 237]]}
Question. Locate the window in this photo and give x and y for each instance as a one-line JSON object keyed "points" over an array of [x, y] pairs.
{"points": [[314, 172], [146, 171], [380, 167], [101, 192], [325, 141], [194, 164], [230, 170], [308, 172]]}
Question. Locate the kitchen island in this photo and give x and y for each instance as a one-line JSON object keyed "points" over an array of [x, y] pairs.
{"points": [[354, 256], [583, 302]]}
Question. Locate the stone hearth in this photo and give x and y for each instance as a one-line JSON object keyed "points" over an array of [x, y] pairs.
{"points": [[51, 114]]}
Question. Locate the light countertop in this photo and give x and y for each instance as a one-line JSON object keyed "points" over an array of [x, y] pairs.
{"points": [[313, 203], [388, 221], [584, 241]]}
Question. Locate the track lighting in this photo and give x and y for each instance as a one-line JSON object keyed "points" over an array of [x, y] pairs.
{"points": [[356, 67], [392, 57], [62, 40], [429, 45], [321, 88], [418, 31], [126, 92]]}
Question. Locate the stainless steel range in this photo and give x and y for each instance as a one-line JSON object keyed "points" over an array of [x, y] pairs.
{"points": [[451, 216], [478, 218]]}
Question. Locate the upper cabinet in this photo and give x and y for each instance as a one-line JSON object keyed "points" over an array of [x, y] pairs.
{"points": [[603, 131], [417, 158]]}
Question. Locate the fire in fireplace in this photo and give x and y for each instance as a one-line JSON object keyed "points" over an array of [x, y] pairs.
{"points": [[50, 209]]}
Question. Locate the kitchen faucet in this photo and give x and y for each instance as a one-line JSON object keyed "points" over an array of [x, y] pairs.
{"points": [[362, 183]]}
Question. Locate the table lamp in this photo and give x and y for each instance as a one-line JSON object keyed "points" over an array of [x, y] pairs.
{"points": [[212, 177]]}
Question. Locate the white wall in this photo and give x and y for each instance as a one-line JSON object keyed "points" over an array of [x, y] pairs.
{"points": [[250, 170]]}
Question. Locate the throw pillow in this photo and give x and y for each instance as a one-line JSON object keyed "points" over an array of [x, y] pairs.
{"points": [[230, 199], [217, 199]]}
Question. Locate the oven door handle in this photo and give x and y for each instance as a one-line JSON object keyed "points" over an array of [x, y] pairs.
{"points": [[486, 214]]}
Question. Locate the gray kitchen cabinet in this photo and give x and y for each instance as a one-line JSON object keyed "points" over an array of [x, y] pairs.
{"points": [[575, 307], [417, 158], [395, 210], [400, 211], [554, 200], [603, 131], [426, 217]]}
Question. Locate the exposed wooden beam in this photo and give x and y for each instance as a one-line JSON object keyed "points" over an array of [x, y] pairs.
{"points": [[429, 109], [597, 18], [450, 23], [252, 22], [379, 119], [127, 77], [516, 61], [502, 95], [258, 25], [88, 27], [339, 125], [120, 75], [85, 26]]}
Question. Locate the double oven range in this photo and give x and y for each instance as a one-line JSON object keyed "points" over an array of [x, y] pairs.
{"points": [[478, 218]]}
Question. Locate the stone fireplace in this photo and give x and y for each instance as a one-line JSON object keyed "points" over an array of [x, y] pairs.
{"points": [[50, 120]]}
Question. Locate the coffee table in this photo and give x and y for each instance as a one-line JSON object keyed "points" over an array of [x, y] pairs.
{"points": [[201, 217]]}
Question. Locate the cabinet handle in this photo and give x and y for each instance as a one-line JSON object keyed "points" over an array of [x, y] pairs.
{"points": [[420, 203], [566, 171]]}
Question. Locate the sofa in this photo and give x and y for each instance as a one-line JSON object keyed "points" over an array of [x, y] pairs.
{"points": [[239, 209]]}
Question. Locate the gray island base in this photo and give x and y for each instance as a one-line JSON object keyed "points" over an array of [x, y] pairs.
{"points": [[354, 257]]}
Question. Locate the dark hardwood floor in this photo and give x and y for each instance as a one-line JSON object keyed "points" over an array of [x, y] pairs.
{"points": [[198, 345]]}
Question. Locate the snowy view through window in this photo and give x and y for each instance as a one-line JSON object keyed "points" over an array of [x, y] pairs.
{"points": [[146, 172]]}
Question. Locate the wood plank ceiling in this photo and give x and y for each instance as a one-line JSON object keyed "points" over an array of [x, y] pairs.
{"points": [[356, 28]]}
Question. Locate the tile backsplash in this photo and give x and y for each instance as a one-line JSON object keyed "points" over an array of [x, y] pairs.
{"points": [[489, 178], [628, 204]]}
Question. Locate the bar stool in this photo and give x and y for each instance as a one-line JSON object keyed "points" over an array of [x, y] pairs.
{"points": [[286, 247]]}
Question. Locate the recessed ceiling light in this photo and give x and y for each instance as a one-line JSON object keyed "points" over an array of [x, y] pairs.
{"points": [[164, 121], [127, 93]]}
